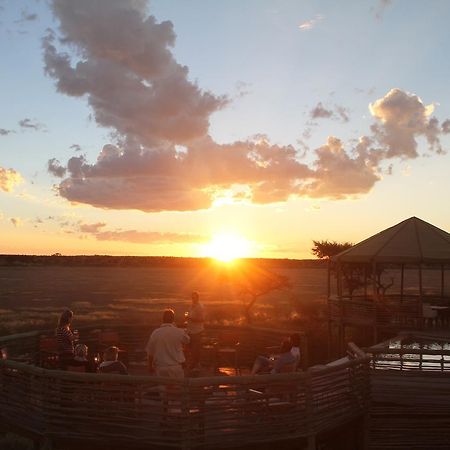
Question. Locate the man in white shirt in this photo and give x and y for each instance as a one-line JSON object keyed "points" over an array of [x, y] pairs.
{"points": [[195, 329], [165, 348]]}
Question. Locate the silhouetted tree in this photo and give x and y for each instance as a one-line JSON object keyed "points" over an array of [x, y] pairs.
{"points": [[326, 249], [255, 284]]}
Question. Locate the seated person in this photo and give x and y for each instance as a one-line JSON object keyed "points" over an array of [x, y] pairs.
{"points": [[111, 364], [286, 358], [81, 353], [80, 359], [295, 350]]}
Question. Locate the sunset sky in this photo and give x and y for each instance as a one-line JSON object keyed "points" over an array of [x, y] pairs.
{"points": [[151, 128]]}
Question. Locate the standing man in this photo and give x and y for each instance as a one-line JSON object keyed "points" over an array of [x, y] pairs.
{"points": [[165, 348], [195, 328]]}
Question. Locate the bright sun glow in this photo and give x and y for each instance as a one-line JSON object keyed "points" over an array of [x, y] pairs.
{"points": [[227, 247]]}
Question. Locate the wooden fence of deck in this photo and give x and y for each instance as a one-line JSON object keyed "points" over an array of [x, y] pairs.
{"points": [[214, 412], [410, 396]]}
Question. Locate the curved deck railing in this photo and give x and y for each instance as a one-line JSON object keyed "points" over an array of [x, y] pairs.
{"points": [[221, 411]]}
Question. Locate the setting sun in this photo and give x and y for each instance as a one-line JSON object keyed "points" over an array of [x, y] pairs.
{"points": [[227, 247]]}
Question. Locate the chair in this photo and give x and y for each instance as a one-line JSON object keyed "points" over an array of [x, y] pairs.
{"points": [[228, 349], [429, 315], [48, 355]]}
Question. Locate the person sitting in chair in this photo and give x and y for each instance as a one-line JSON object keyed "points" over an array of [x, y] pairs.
{"points": [[111, 364], [284, 361]]}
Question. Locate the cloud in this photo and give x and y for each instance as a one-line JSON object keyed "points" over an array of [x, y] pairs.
{"points": [[446, 126], [127, 71], [31, 124], [4, 132], [16, 221], [320, 112], [380, 8], [401, 119], [54, 167], [26, 16], [162, 157], [9, 178], [138, 237], [75, 147], [92, 227], [337, 175], [309, 24]]}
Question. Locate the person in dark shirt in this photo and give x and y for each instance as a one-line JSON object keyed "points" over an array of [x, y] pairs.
{"points": [[111, 364]]}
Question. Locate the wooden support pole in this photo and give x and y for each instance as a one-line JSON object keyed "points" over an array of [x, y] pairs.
{"points": [[375, 302], [365, 282], [402, 280], [311, 442], [329, 279], [442, 282], [420, 295]]}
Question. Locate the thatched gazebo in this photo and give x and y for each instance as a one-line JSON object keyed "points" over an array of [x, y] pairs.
{"points": [[393, 280]]}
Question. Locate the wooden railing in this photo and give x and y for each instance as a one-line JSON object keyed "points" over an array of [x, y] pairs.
{"points": [[410, 394], [387, 312], [209, 412]]}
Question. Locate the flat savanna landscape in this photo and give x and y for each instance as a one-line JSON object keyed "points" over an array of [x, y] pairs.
{"points": [[33, 296]]}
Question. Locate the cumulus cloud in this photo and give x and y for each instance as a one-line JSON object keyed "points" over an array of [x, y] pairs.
{"points": [[9, 178], [337, 175], [138, 237], [309, 24], [127, 71], [162, 157], [401, 119], [30, 124], [4, 132], [54, 167]]}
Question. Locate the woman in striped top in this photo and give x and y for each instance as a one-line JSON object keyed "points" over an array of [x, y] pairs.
{"points": [[65, 337]]}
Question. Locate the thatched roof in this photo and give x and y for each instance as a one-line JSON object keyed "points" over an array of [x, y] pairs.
{"points": [[410, 241]]}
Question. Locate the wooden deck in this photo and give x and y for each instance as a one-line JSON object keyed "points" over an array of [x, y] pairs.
{"points": [[203, 412]]}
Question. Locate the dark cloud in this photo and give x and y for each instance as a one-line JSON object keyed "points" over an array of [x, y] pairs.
{"points": [[446, 126], [4, 132], [26, 16], [75, 147], [31, 124], [321, 112], [54, 167]]}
